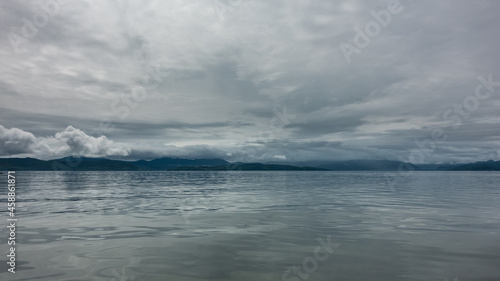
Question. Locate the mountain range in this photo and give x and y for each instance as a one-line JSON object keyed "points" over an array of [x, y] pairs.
{"points": [[75, 163]]}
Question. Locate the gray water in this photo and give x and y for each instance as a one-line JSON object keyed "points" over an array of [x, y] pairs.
{"points": [[181, 226]]}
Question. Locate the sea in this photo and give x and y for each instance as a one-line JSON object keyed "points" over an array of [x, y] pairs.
{"points": [[253, 225]]}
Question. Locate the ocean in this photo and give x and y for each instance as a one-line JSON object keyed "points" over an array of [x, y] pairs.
{"points": [[306, 225]]}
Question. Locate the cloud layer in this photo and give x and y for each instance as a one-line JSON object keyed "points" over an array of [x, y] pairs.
{"points": [[249, 80]]}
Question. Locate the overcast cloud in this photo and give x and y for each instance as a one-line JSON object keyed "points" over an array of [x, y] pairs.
{"points": [[250, 80]]}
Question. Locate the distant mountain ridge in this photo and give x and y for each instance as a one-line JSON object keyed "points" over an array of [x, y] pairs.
{"points": [[102, 164], [73, 163], [356, 165], [250, 167], [169, 163], [479, 166]]}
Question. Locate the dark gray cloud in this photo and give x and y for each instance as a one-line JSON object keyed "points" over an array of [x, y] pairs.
{"points": [[258, 80]]}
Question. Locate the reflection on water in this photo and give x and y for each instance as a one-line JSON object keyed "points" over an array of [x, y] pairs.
{"points": [[256, 226]]}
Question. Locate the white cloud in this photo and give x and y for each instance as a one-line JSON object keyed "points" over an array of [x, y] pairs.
{"points": [[280, 157], [71, 141], [15, 141]]}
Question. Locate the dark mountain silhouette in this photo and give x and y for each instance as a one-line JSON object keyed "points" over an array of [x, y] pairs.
{"points": [[250, 167], [355, 165], [479, 166], [74, 163], [169, 163], [27, 164], [101, 164]]}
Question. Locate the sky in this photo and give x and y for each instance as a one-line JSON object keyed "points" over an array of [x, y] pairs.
{"points": [[284, 80]]}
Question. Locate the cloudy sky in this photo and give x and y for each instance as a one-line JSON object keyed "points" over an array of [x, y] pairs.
{"points": [[251, 80]]}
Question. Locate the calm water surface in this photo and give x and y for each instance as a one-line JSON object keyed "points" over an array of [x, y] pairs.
{"points": [[181, 226]]}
